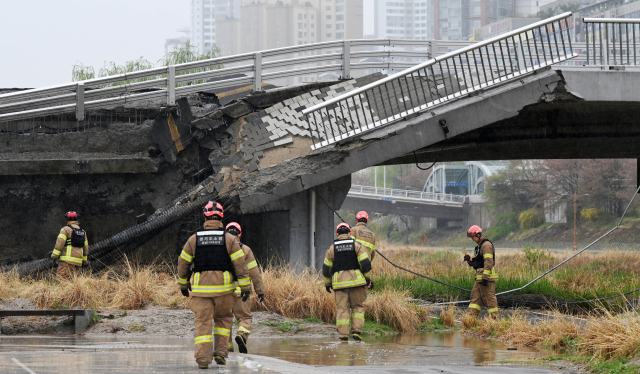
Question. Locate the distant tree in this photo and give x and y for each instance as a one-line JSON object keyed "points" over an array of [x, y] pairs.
{"points": [[570, 7], [190, 53], [546, 13], [80, 72], [511, 186], [608, 183]]}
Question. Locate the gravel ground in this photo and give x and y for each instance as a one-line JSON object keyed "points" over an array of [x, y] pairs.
{"points": [[33, 325], [152, 322], [179, 323]]}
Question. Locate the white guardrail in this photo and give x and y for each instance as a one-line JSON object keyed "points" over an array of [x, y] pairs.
{"points": [[418, 196], [444, 78], [169, 82]]}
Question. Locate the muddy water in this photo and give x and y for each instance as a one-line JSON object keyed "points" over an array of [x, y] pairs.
{"points": [[405, 349], [107, 355]]}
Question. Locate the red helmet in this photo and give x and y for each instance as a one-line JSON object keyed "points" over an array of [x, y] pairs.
{"points": [[362, 215], [474, 230], [71, 216], [234, 229], [343, 225], [213, 209]]}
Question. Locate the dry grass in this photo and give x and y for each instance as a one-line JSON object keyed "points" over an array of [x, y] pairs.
{"points": [[132, 286], [554, 332], [617, 271], [448, 315], [295, 295], [611, 336], [303, 295]]}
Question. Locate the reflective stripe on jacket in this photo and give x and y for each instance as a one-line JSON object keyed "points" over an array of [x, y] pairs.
{"points": [[254, 272], [213, 283], [488, 253], [347, 278], [66, 252], [365, 237]]}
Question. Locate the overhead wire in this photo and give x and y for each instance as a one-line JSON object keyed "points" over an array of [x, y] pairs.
{"points": [[532, 281]]}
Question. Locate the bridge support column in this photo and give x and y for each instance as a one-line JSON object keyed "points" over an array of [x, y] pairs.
{"points": [[281, 230]]}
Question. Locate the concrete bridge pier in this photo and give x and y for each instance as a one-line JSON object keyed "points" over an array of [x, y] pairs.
{"points": [[281, 230]]}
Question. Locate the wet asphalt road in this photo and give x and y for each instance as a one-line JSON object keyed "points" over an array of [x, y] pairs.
{"points": [[438, 353]]}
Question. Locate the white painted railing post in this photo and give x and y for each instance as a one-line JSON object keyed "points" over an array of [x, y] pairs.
{"points": [[433, 48], [257, 73], [606, 43], [80, 102], [346, 59], [520, 57], [171, 85]]}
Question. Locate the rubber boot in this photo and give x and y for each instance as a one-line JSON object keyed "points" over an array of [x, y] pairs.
{"points": [[356, 336], [242, 344], [344, 340], [203, 366], [220, 360]]}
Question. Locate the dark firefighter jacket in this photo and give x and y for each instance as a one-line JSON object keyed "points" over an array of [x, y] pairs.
{"points": [[214, 283], [357, 277]]}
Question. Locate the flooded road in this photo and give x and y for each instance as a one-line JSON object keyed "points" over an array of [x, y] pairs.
{"points": [[397, 354]]}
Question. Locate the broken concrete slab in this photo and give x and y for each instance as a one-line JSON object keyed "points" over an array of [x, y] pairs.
{"points": [[265, 99], [237, 109]]}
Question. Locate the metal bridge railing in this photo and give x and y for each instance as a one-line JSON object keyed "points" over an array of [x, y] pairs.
{"points": [[406, 194], [447, 77], [611, 41], [164, 84]]}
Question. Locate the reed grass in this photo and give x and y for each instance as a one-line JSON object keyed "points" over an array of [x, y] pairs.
{"points": [[588, 276], [302, 295]]}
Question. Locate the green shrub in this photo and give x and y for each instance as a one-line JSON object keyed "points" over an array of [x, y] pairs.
{"points": [[507, 223], [398, 237], [590, 214], [421, 237], [530, 218], [382, 227], [534, 256]]}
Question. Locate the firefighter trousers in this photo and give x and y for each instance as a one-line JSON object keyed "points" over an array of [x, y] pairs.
{"points": [[483, 295], [242, 312], [66, 271], [350, 305], [210, 311]]}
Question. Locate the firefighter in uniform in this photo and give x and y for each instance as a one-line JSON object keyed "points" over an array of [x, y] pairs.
{"points": [[363, 235], [72, 248], [347, 269], [218, 261], [242, 309], [484, 288]]}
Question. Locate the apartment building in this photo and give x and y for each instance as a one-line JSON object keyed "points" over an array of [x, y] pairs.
{"points": [[269, 24], [402, 19], [204, 16]]}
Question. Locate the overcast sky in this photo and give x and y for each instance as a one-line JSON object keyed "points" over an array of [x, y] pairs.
{"points": [[40, 40]]}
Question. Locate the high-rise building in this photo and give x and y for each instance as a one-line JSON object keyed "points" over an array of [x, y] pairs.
{"points": [[404, 19], [456, 19], [340, 19], [204, 15], [269, 24]]}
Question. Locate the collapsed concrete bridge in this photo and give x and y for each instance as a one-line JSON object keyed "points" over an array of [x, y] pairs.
{"points": [[255, 153]]}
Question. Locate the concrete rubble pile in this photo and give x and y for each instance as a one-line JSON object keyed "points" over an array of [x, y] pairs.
{"points": [[253, 143]]}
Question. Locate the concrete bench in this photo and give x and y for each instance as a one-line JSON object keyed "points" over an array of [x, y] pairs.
{"points": [[82, 317]]}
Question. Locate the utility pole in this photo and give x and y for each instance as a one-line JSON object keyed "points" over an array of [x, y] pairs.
{"points": [[384, 177], [575, 220], [375, 178]]}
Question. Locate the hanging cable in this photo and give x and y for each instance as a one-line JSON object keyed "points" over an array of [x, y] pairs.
{"points": [[445, 130], [526, 285]]}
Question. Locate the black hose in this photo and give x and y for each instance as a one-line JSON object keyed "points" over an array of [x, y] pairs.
{"points": [[115, 247]]}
